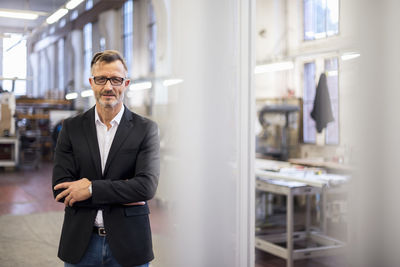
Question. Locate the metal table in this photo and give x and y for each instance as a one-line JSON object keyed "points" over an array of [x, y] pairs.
{"points": [[290, 186]]}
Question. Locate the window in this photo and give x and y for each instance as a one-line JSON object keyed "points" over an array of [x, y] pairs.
{"points": [[308, 102], [87, 52], [102, 43], [332, 130], [14, 50], [44, 71], [89, 4], [321, 18], [128, 32], [330, 68]]}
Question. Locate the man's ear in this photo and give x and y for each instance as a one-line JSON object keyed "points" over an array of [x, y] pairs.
{"points": [[127, 82]]}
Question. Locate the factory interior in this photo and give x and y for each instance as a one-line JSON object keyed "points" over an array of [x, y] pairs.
{"points": [[276, 147]]}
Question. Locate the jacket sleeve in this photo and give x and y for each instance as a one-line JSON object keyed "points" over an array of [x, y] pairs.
{"points": [[65, 169], [142, 186]]}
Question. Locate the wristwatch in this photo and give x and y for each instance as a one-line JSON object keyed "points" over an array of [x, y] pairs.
{"points": [[90, 189]]}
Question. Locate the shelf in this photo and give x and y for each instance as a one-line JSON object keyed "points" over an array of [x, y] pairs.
{"points": [[33, 116], [35, 101]]}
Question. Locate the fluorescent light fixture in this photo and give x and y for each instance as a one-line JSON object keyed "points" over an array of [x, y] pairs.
{"points": [[332, 73], [5, 35], [140, 86], [56, 15], [71, 96], [171, 82], [278, 66], [14, 78], [87, 93], [350, 55], [130, 94], [19, 14], [73, 3], [320, 35]]}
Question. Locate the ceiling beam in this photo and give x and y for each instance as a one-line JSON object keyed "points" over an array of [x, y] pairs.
{"points": [[87, 16]]}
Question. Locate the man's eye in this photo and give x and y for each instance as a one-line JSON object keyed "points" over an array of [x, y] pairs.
{"points": [[101, 79], [117, 80]]}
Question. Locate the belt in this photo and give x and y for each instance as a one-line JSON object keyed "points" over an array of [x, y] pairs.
{"points": [[101, 231]]}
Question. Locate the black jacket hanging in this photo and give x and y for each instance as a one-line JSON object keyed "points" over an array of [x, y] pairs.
{"points": [[322, 110]]}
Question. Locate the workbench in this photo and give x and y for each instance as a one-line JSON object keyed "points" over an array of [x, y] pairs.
{"points": [[292, 184]]}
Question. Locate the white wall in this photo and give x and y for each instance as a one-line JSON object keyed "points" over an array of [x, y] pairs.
{"points": [[270, 45]]}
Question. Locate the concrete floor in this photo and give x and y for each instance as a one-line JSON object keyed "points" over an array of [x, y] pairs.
{"points": [[28, 192]]}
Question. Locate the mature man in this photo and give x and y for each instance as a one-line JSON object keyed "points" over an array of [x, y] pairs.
{"points": [[106, 167]]}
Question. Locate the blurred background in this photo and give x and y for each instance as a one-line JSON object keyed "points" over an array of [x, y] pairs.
{"points": [[278, 124]]}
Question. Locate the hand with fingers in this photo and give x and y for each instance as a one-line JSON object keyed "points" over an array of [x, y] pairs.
{"points": [[74, 191], [140, 203]]}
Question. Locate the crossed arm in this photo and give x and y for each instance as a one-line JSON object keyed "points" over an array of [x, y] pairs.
{"points": [[79, 191], [74, 191], [131, 191]]}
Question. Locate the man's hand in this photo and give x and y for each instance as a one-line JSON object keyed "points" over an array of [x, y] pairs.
{"points": [[140, 203], [74, 191]]}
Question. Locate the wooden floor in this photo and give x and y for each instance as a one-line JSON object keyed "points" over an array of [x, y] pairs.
{"points": [[27, 191]]}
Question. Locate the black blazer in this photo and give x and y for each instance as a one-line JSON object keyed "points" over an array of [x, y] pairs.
{"points": [[130, 175]]}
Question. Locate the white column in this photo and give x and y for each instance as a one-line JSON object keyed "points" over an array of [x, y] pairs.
{"points": [[209, 170], [77, 46], [34, 66], [1, 60], [140, 39], [51, 55], [375, 187], [110, 27]]}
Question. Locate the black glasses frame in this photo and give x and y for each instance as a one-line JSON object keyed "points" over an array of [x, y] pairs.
{"points": [[113, 82]]}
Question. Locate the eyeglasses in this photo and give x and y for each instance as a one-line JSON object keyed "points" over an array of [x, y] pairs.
{"points": [[101, 80]]}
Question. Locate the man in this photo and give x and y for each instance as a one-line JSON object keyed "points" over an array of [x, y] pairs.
{"points": [[106, 167]]}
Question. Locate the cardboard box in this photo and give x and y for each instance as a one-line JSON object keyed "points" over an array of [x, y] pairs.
{"points": [[5, 119]]}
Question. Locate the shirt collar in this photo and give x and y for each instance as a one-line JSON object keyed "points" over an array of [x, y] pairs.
{"points": [[116, 119]]}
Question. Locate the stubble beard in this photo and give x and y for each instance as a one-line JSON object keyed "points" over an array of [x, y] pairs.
{"points": [[109, 104]]}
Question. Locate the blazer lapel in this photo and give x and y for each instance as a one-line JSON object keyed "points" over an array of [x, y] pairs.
{"points": [[89, 128], [122, 133]]}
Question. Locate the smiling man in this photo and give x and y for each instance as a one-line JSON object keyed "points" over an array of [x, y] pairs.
{"points": [[106, 167]]}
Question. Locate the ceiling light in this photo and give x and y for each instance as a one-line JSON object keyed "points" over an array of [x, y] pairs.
{"points": [[170, 82], [56, 15], [20, 14], [87, 93], [140, 86], [350, 55], [71, 96], [271, 67], [332, 73], [73, 3], [5, 35]]}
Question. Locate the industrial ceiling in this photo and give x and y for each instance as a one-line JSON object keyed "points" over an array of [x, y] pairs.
{"points": [[8, 25]]}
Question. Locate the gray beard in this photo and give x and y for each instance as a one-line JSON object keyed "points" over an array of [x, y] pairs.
{"points": [[112, 104]]}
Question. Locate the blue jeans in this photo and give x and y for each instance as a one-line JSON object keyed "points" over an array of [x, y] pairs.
{"points": [[98, 254]]}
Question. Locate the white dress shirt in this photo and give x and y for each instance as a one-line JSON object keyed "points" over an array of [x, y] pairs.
{"points": [[105, 138]]}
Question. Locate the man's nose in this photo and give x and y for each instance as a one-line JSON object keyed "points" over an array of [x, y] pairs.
{"points": [[108, 84]]}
